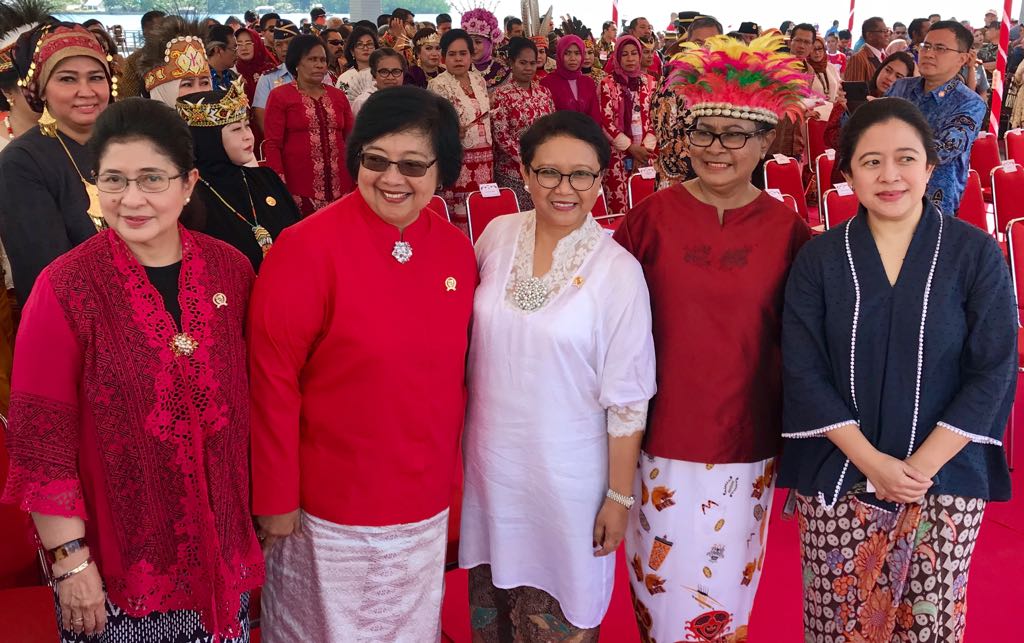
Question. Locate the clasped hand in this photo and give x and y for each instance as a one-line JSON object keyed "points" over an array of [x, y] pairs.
{"points": [[897, 480]]}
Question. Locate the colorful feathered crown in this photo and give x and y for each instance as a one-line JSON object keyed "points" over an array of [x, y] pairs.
{"points": [[726, 77], [481, 22], [231, 108]]}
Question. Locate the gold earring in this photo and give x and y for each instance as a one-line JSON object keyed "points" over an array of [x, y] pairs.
{"points": [[48, 124]]}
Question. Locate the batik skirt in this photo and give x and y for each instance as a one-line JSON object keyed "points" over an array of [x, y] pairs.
{"points": [[477, 168]]}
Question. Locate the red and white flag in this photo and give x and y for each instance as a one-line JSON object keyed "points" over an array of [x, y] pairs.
{"points": [[615, 13]]}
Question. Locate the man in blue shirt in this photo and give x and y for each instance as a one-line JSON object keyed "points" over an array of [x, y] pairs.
{"points": [[221, 53], [954, 112]]}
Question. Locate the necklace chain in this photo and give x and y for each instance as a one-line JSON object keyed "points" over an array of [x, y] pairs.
{"points": [[263, 237]]}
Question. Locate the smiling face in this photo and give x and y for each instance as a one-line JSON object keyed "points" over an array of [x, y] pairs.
{"points": [[143, 219], [246, 49], [817, 52], [238, 142], [889, 170], [563, 205], [457, 58], [394, 197], [77, 92], [728, 169]]}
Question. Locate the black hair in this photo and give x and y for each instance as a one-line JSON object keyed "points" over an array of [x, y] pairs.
{"points": [[844, 34], [443, 18], [564, 123], [383, 19], [914, 29], [298, 48], [150, 17], [879, 111], [267, 17], [403, 109], [786, 26], [512, 21], [316, 12], [806, 26], [517, 45], [218, 36], [367, 24], [703, 23], [92, 21], [134, 119], [936, 15], [329, 30], [250, 15], [964, 38], [450, 36], [402, 14], [636, 21], [385, 52], [868, 24], [897, 24], [422, 33], [353, 39], [897, 56]]}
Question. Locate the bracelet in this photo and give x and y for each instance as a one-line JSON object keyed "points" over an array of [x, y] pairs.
{"points": [[625, 501], [63, 551], [77, 570]]}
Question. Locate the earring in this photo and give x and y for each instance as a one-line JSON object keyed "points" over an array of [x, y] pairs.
{"points": [[188, 199], [48, 124]]}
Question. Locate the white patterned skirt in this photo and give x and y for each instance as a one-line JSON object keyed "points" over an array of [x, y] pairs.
{"points": [[354, 584]]}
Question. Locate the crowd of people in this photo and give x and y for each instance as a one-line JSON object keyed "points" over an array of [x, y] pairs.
{"points": [[251, 353]]}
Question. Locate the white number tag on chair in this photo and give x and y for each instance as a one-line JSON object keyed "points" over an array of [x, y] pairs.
{"points": [[775, 193], [830, 154], [1009, 165], [844, 189], [781, 159], [490, 190], [647, 172]]}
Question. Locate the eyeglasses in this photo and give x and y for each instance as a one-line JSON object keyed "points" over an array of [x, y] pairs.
{"points": [[377, 163], [363, 45], [880, 31], [335, 43], [729, 140], [549, 177], [389, 73], [151, 183], [928, 47]]}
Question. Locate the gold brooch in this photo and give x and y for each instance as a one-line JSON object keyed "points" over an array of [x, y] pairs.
{"points": [[220, 300], [449, 284], [271, 201], [183, 344], [577, 281]]}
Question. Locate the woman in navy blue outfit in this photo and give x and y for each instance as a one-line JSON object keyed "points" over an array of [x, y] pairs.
{"points": [[900, 362]]}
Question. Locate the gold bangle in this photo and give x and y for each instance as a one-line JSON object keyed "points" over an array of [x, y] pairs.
{"points": [[63, 551], [77, 570]]}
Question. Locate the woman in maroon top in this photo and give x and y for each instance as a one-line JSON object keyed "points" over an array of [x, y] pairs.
{"points": [[358, 339], [715, 251]]}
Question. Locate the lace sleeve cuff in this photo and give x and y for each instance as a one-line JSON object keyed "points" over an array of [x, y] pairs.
{"points": [[815, 433], [973, 437], [53, 498], [627, 420]]}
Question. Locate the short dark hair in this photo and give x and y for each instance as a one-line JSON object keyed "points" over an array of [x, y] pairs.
{"points": [[383, 19], [329, 30], [353, 38], [897, 24], [844, 34], [298, 48], [404, 109], [993, 25], [451, 36], [964, 38], [512, 21], [150, 17], [607, 23], [806, 26], [934, 15], [267, 17], [914, 28], [635, 21], [249, 15], [517, 45], [704, 22], [91, 22], [385, 52], [402, 14], [316, 12], [143, 119], [217, 36], [897, 56], [564, 123], [866, 26], [443, 18], [879, 111]]}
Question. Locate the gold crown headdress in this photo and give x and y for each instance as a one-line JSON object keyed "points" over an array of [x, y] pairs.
{"points": [[231, 108], [184, 57], [430, 39]]}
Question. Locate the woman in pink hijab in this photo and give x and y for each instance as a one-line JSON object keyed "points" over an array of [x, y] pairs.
{"points": [[571, 89]]}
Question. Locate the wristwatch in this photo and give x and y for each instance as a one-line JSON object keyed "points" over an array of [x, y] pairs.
{"points": [[625, 501]]}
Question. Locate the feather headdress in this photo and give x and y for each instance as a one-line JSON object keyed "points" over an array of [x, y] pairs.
{"points": [[726, 77], [18, 18], [535, 25]]}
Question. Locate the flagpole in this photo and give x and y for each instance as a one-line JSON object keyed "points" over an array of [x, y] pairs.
{"points": [[852, 3], [1000, 72]]}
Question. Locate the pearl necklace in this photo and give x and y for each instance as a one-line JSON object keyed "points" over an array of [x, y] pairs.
{"points": [[10, 130]]}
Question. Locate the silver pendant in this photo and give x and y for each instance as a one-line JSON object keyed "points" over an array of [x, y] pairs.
{"points": [[402, 252]]}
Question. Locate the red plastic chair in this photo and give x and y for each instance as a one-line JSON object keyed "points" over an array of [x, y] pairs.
{"points": [[611, 221], [438, 205], [785, 177], [1015, 145], [838, 208], [791, 202], [815, 131], [639, 189], [1007, 195], [481, 210], [985, 158], [600, 208], [1015, 249], [972, 205], [823, 166]]}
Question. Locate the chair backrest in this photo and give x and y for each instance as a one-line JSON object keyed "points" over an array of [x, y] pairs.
{"points": [[791, 202], [972, 205], [1015, 248], [823, 166], [785, 177], [611, 221], [816, 145], [985, 153], [839, 207], [1007, 195], [438, 205], [1015, 145], [481, 210], [600, 208], [639, 188]]}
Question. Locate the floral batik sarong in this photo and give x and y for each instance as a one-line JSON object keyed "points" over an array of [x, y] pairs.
{"points": [[874, 576]]}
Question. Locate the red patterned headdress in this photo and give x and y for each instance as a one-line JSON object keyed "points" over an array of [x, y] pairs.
{"points": [[54, 44], [754, 82]]}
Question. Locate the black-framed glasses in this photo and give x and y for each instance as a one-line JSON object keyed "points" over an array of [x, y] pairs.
{"points": [[549, 177], [390, 73], [410, 168], [938, 49], [363, 45], [335, 43], [151, 182], [728, 140]]}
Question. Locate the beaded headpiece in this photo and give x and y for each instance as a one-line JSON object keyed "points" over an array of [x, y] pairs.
{"points": [[184, 57], [726, 77], [481, 22], [540, 41], [432, 38], [231, 108], [54, 43]]}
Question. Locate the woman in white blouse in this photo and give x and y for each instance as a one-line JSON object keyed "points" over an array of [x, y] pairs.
{"points": [[561, 368]]}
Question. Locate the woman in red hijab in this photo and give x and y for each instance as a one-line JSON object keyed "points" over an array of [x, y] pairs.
{"points": [[625, 96], [253, 61], [571, 89]]}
